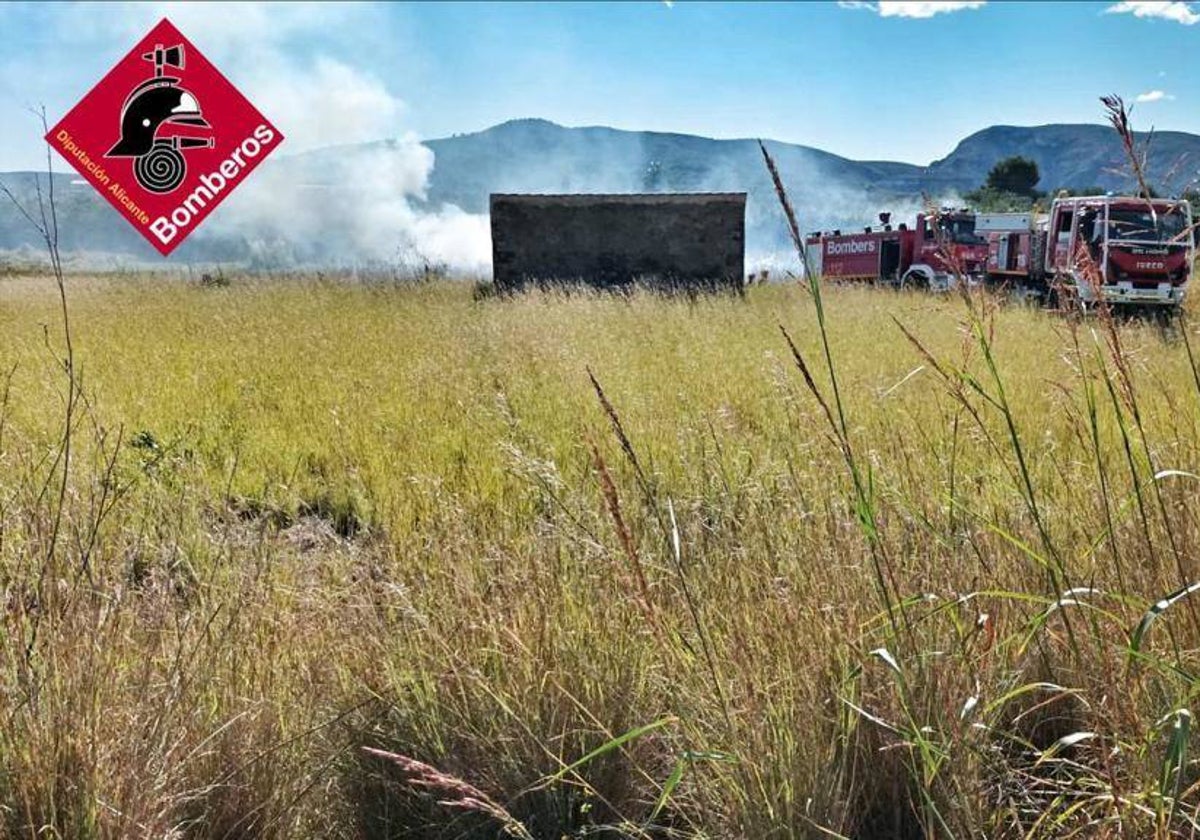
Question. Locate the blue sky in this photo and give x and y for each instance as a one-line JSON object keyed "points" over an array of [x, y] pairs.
{"points": [[896, 81]]}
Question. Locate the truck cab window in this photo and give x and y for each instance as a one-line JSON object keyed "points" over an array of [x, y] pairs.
{"points": [[1063, 231], [1091, 229]]}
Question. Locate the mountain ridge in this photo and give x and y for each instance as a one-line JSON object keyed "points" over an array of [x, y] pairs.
{"points": [[532, 154]]}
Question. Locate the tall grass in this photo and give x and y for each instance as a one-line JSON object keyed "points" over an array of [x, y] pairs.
{"points": [[369, 561]]}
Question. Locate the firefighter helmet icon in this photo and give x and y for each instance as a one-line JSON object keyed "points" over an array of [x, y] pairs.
{"points": [[159, 164]]}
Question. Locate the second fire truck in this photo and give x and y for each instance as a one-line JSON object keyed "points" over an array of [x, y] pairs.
{"points": [[1117, 249]]}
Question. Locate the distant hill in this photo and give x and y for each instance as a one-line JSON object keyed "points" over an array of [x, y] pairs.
{"points": [[1073, 156], [340, 184], [533, 155], [539, 156]]}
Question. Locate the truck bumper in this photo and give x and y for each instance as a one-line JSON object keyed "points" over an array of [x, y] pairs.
{"points": [[949, 282], [1164, 294]]}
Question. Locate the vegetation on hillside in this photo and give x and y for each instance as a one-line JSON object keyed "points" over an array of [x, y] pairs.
{"points": [[1010, 187], [1193, 197], [1015, 175]]}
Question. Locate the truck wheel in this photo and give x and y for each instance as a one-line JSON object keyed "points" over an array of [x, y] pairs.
{"points": [[914, 280], [1166, 317], [1023, 295]]}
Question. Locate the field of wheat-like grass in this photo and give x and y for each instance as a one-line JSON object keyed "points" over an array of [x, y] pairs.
{"points": [[374, 561]]}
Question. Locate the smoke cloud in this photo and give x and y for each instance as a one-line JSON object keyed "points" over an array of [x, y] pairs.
{"points": [[354, 207], [350, 207], [336, 194]]}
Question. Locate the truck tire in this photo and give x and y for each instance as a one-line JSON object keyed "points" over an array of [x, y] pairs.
{"points": [[1023, 295]]}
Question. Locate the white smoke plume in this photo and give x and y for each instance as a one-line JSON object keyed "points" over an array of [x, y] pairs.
{"points": [[355, 208], [335, 193], [358, 209], [362, 208]]}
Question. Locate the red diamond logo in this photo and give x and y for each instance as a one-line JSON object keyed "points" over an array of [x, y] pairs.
{"points": [[164, 137]]}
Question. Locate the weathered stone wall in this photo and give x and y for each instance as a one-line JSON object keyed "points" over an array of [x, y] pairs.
{"points": [[682, 240]]}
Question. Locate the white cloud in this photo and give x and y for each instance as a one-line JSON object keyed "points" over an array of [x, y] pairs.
{"points": [[912, 8], [1152, 96], [925, 9], [1173, 10]]}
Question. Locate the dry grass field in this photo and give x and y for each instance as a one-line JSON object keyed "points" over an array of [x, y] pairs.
{"points": [[302, 518]]}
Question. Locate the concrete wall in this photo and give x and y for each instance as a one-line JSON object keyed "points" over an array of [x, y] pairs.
{"points": [[684, 240]]}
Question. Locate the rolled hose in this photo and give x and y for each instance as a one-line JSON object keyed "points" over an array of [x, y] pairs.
{"points": [[160, 170]]}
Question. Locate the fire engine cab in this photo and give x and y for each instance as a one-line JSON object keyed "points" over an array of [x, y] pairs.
{"points": [[1119, 249]]}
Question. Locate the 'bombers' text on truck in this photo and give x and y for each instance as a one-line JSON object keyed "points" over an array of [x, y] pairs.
{"points": [[931, 254]]}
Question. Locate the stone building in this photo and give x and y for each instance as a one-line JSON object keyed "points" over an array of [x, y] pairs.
{"points": [[672, 241]]}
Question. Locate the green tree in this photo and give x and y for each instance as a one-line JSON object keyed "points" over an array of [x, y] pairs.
{"points": [[988, 200], [1193, 197], [1016, 175]]}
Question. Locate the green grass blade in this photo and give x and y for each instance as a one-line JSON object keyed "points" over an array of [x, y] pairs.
{"points": [[609, 746], [1139, 633], [669, 787]]}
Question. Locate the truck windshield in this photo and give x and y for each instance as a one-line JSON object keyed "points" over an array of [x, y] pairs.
{"points": [[1144, 226], [960, 230]]}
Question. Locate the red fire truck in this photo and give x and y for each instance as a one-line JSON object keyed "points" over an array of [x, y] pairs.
{"points": [[932, 254], [1142, 252], [1119, 249]]}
